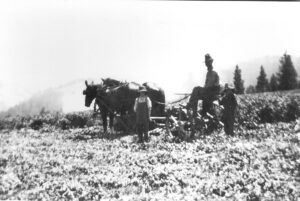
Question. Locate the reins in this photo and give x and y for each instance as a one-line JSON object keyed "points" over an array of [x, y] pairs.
{"points": [[171, 103]]}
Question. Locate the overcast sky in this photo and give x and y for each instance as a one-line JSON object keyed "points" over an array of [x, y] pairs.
{"points": [[48, 43]]}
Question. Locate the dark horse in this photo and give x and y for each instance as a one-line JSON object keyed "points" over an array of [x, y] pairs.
{"points": [[155, 93], [113, 97], [91, 92]]}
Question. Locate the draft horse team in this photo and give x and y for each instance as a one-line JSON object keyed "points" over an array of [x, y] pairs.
{"points": [[143, 101]]}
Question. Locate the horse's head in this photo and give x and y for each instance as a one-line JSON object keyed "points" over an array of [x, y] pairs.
{"points": [[90, 93]]}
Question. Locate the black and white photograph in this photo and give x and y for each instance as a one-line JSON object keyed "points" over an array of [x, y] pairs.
{"points": [[149, 100]]}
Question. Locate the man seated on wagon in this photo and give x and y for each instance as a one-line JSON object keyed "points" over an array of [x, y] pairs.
{"points": [[211, 87]]}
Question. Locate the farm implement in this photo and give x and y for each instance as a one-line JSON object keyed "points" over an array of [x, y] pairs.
{"points": [[181, 122]]}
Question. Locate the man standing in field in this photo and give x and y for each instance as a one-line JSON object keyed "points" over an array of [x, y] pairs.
{"points": [[229, 102], [212, 86], [142, 107]]}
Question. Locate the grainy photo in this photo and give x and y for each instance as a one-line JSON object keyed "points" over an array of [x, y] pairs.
{"points": [[149, 100]]}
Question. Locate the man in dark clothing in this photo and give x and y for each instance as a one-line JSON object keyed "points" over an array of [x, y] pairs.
{"points": [[142, 107], [229, 102], [212, 86]]}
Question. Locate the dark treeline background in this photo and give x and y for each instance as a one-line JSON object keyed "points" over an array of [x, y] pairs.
{"points": [[285, 79]]}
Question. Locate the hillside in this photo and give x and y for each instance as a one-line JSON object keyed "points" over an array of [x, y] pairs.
{"points": [[65, 98]]}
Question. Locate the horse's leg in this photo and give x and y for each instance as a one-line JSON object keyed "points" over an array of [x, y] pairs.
{"points": [[111, 121], [104, 121], [124, 122]]}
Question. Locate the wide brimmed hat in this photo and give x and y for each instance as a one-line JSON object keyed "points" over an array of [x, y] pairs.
{"points": [[142, 89], [229, 86], [208, 58]]}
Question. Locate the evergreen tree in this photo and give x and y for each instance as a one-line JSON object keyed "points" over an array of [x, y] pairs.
{"points": [[250, 89], [287, 76], [273, 83], [237, 80], [262, 81]]}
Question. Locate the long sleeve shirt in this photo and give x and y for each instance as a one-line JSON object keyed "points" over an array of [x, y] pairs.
{"points": [[212, 79]]}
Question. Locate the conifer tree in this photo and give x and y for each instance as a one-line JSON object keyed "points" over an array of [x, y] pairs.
{"points": [[237, 80], [287, 76], [273, 86], [262, 81]]}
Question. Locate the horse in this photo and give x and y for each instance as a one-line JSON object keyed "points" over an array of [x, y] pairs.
{"points": [[155, 93], [157, 97], [115, 97], [91, 92]]}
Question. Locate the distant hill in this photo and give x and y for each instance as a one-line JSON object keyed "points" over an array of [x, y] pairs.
{"points": [[65, 98], [49, 100], [12, 94]]}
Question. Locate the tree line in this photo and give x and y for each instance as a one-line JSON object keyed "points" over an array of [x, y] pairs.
{"points": [[284, 79]]}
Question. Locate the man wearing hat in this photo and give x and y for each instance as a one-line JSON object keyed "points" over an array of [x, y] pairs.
{"points": [[142, 108], [229, 102], [212, 86]]}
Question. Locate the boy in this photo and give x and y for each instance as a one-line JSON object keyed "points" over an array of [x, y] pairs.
{"points": [[142, 107], [229, 102]]}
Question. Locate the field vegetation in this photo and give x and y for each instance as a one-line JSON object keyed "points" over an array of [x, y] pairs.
{"points": [[68, 157]]}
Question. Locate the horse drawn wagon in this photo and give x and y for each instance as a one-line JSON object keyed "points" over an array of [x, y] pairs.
{"points": [[184, 117], [181, 118]]}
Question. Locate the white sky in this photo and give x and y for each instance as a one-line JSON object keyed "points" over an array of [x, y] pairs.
{"points": [[48, 43]]}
